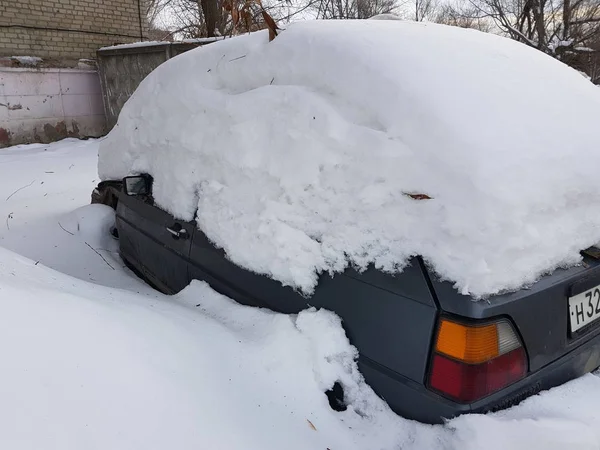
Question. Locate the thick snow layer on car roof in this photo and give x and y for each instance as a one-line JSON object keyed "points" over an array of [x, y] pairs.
{"points": [[298, 154]]}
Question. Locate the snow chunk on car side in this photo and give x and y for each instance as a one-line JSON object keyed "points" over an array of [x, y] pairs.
{"points": [[298, 154]]}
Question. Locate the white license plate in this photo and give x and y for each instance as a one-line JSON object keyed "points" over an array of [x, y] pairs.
{"points": [[584, 308]]}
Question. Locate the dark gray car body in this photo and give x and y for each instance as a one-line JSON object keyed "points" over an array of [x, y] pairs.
{"points": [[391, 319]]}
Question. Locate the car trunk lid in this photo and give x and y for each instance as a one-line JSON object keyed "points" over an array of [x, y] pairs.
{"points": [[541, 313]]}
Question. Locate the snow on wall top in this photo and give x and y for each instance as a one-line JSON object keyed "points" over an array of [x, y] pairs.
{"points": [[153, 43], [298, 153], [135, 45], [31, 61]]}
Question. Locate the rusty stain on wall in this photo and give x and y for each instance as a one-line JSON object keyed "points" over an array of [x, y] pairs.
{"points": [[59, 131], [12, 107], [4, 137]]}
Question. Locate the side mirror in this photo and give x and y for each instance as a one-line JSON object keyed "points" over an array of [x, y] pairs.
{"points": [[137, 185]]}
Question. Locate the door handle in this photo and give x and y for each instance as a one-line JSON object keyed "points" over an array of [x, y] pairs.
{"points": [[177, 231]]}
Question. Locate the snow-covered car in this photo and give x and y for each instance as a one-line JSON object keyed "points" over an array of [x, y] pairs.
{"points": [[435, 187]]}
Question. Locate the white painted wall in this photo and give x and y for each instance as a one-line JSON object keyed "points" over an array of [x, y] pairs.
{"points": [[42, 105]]}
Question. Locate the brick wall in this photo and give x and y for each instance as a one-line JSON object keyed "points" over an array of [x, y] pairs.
{"points": [[68, 29]]}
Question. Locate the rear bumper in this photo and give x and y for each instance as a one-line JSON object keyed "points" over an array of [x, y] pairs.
{"points": [[412, 400]]}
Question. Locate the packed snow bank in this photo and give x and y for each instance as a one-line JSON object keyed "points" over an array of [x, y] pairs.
{"points": [[86, 367], [298, 153], [43, 190], [89, 367]]}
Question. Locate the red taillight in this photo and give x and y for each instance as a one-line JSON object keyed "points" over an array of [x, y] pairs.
{"points": [[457, 374], [469, 382]]}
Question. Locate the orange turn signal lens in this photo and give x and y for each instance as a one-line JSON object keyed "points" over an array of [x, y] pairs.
{"points": [[469, 344]]}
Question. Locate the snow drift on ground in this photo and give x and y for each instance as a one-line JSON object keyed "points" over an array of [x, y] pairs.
{"points": [[86, 366], [89, 367], [42, 187], [298, 153]]}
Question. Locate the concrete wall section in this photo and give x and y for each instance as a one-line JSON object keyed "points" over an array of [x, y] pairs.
{"points": [[123, 68], [45, 105]]}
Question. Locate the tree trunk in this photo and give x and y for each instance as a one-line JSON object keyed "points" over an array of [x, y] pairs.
{"points": [[541, 29], [566, 19], [210, 10], [540, 24]]}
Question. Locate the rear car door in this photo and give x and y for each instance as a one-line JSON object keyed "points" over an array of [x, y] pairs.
{"points": [[154, 242], [390, 319]]}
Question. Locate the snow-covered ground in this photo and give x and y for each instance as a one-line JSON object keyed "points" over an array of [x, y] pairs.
{"points": [[42, 190], [93, 359]]}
